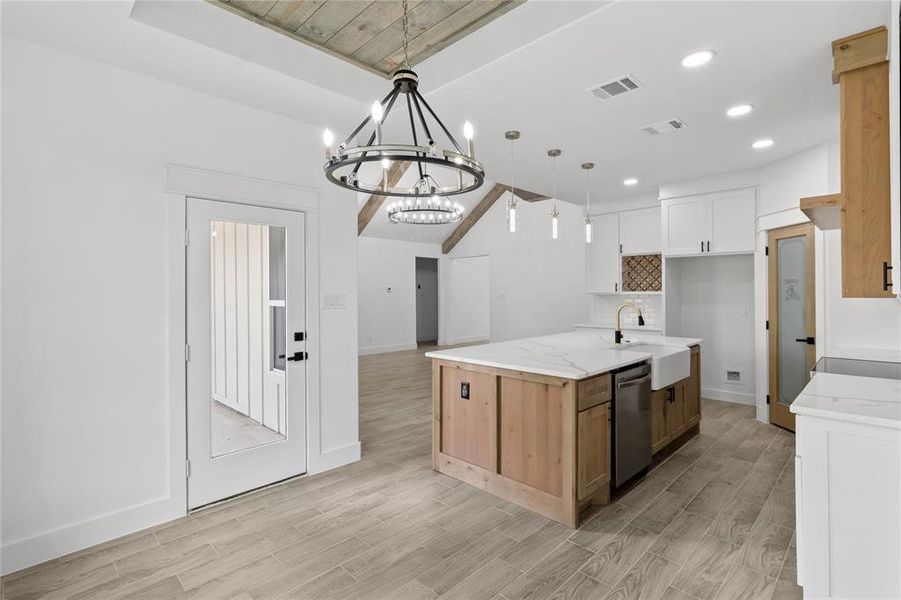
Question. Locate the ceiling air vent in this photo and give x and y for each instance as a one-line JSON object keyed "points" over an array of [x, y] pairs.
{"points": [[668, 126], [615, 87]]}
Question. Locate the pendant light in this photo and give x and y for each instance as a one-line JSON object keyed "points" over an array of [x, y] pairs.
{"points": [[555, 214], [512, 202], [588, 167], [424, 201]]}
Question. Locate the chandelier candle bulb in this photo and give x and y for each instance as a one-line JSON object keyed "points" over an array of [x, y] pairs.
{"points": [[587, 230], [468, 133], [554, 227], [328, 138], [511, 220]]}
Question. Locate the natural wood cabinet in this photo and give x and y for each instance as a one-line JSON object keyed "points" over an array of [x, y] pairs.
{"points": [[542, 442], [594, 451], [693, 389], [863, 209], [677, 408]]}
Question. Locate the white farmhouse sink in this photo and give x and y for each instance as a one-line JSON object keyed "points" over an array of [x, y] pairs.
{"points": [[669, 364]]}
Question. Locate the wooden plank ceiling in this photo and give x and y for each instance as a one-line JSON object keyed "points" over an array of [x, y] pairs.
{"points": [[369, 33]]}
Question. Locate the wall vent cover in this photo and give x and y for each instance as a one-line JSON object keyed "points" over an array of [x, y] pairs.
{"points": [[615, 87], [667, 126]]}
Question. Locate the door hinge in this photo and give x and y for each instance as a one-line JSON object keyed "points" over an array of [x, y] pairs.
{"points": [[187, 468], [768, 324], [766, 251], [620, 248], [767, 398], [187, 238], [187, 353]]}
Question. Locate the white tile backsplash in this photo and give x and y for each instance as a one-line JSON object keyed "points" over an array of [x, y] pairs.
{"points": [[603, 310]]}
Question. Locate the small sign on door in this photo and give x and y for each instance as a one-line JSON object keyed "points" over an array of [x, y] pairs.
{"points": [[464, 390]]}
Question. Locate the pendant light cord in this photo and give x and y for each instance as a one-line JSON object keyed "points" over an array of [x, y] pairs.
{"points": [[587, 193], [406, 29], [512, 187], [555, 183]]}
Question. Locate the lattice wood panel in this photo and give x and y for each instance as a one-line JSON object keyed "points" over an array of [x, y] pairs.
{"points": [[643, 273]]}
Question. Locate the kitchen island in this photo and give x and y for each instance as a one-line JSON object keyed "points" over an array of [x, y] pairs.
{"points": [[530, 420]]}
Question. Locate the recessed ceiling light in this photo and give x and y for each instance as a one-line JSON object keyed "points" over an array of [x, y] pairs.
{"points": [[630, 181], [739, 110], [761, 144], [696, 59]]}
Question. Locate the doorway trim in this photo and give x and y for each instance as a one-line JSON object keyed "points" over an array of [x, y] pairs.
{"points": [[806, 230], [183, 182]]}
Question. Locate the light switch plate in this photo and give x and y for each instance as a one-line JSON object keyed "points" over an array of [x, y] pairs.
{"points": [[334, 301]]}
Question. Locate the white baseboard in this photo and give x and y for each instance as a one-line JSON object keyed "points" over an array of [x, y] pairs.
{"points": [[382, 349], [336, 457], [728, 396], [464, 340], [42, 547], [48, 545]]}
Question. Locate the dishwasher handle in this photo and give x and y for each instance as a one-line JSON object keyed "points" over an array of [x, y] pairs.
{"points": [[632, 382]]}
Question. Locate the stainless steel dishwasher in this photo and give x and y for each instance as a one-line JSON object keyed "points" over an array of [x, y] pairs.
{"points": [[631, 422]]}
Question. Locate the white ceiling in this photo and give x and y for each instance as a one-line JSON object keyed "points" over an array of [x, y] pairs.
{"points": [[527, 70]]}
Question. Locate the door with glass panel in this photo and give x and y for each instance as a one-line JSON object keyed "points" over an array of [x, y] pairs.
{"points": [[246, 349], [792, 318]]}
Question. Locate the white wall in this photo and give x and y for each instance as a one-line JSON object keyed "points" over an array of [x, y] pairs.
{"points": [[388, 320], [714, 300], [846, 327], [467, 314], [426, 299], [537, 285], [86, 443]]}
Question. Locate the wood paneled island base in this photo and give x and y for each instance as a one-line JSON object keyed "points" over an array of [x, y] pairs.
{"points": [[539, 441]]}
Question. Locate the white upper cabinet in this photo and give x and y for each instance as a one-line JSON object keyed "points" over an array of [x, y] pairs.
{"points": [[731, 220], [603, 254], [639, 231], [719, 223], [684, 225]]}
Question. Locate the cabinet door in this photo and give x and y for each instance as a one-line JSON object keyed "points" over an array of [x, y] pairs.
{"points": [[731, 218], [594, 450], [603, 254], [675, 411], [693, 389], [866, 211], [684, 225], [639, 231], [658, 419]]}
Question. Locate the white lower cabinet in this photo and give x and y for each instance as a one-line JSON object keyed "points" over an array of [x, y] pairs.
{"points": [[717, 223], [848, 508]]}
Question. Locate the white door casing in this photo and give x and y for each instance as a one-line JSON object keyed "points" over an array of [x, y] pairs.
{"points": [[213, 478]]}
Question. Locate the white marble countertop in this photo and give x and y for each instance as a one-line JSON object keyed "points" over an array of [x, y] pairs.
{"points": [[593, 325], [869, 400], [571, 355]]}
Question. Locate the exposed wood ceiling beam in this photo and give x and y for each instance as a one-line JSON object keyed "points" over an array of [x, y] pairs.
{"points": [[372, 206], [526, 195], [473, 217]]}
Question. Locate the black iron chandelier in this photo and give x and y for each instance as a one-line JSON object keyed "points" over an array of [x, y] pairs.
{"points": [[441, 172]]}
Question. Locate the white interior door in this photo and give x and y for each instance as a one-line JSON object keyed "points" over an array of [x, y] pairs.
{"points": [[246, 392]]}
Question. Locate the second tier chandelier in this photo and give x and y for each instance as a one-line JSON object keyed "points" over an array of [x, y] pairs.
{"points": [[439, 172]]}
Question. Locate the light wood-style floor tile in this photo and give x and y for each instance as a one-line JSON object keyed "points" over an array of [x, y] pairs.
{"points": [[709, 519], [551, 572], [580, 587], [646, 580]]}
